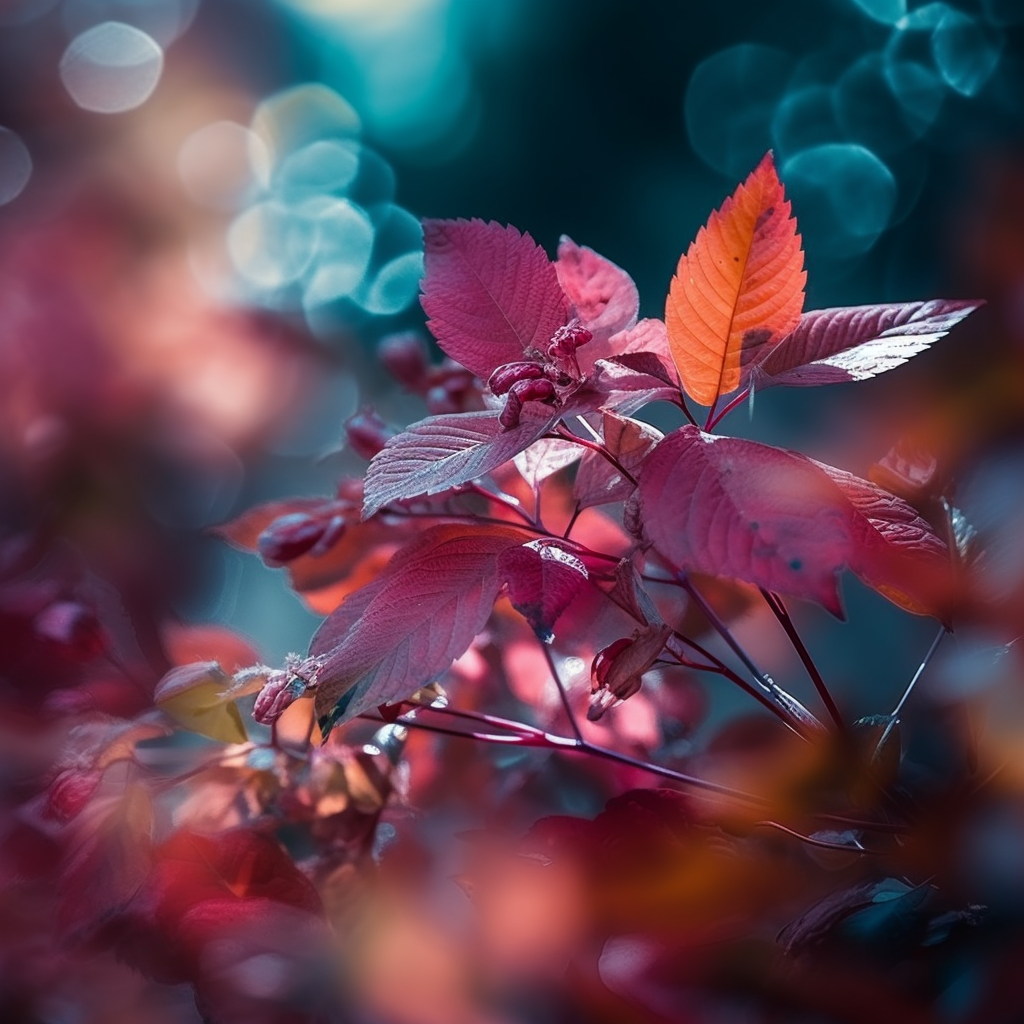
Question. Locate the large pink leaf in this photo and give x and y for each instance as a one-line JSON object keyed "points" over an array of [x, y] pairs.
{"points": [[408, 626], [490, 292], [542, 578], [731, 507], [604, 295], [445, 451], [894, 550], [830, 346]]}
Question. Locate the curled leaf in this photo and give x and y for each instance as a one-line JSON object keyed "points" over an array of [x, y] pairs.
{"points": [[543, 578], [198, 697]]}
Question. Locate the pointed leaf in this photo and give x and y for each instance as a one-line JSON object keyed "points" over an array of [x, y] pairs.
{"points": [[630, 441], [490, 293], [604, 295], [408, 626], [445, 451], [542, 578], [735, 508], [857, 342], [894, 550], [738, 290]]}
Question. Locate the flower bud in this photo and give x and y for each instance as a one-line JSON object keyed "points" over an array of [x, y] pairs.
{"points": [[617, 670], [501, 381], [278, 694], [367, 433], [567, 339], [288, 537], [404, 355], [525, 391]]}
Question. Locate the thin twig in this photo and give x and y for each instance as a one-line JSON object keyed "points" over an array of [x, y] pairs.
{"points": [[894, 716], [780, 612], [738, 400], [562, 692], [807, 723]]}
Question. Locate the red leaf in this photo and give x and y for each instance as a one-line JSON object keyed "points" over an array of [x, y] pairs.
{"points": [[407, 627], [830, 346], [735, 508], [604, 295], [108, 855], [630, 441], [542, 578], [490, 293], [738, 290], [442, 452], [544, 458], [205, 890], [894, 550]]}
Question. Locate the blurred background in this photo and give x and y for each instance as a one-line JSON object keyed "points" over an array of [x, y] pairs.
{"points": [[210, 216]]}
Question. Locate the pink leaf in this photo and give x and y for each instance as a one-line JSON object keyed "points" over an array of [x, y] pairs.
{"points": [[616, 384], [894, 550], [442, 452], [544, 458], [735, 508], [604, 295], [542, 578], [830, 346], [648, 337], [630, 441], [491, 293], [407, 627]]}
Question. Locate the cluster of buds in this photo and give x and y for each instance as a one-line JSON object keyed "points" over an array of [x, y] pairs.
{"points": [[539, 379], [281, 688], [447, 387], [617, 670], [312, 531]]}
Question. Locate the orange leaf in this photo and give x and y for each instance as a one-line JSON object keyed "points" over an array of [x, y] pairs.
{"points": [[738, 290]]}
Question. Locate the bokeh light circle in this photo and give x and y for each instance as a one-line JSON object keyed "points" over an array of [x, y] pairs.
{"points": [[216, 164], [344, 244], [730, 102], [965, 53], [15, 165], [844, 197], [163, 20], [271, 247], [111, 68]]}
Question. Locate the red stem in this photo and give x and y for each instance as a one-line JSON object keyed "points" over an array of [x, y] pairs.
{"points": [[780, 612], [738, 400]]}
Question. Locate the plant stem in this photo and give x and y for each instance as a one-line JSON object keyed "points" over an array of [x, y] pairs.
{"points": [[562, 692], [567, 435], [713, 421], [894, 717], [710, 420], [806, 723], [780, 612]]}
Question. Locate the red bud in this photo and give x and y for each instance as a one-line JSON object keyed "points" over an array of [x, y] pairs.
{"points": [[367, 433], [404, 355], [288, 537]]}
